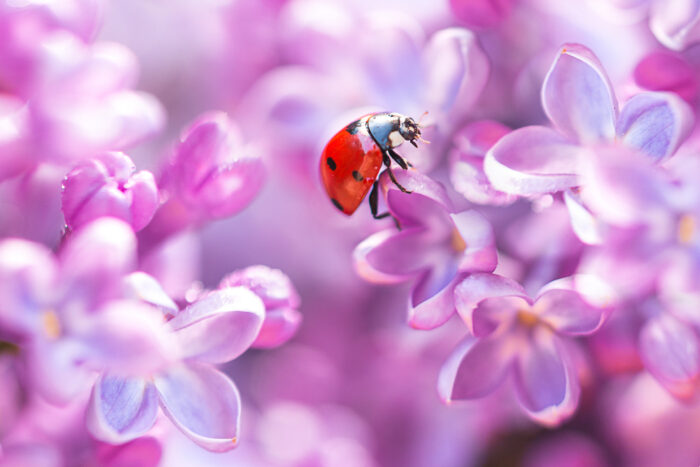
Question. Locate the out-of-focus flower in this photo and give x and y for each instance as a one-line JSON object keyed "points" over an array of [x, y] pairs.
{"points": [[211, 175], [580, 102], [67, 313], [527, 339], [200, 400], [390, 66], [675, 23], [481, 13], [436, 246], [467, 162], [108, 186], [282, 319], [666, 71]]}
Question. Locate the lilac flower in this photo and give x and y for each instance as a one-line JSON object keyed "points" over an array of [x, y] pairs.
{"points": [[467, 162], [436, 246], [526, 339], [580, 102], [201, 401], [211, 175], [282, 319], [675, 23], [108, 186], [68, 314]]}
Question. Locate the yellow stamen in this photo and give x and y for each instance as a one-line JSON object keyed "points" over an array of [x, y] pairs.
{"points": [[527, 318], [457, 242], [52, 326], [686, 228]]}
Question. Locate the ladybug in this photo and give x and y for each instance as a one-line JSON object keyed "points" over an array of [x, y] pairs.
{"points": [[351, 160]]}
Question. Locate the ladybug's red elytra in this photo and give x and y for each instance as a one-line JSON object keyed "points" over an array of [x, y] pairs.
{"points": [[351, 160]]}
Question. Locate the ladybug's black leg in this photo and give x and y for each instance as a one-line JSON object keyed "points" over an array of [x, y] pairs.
{"points": [[373, 205], [387, 162], [403, 163]]}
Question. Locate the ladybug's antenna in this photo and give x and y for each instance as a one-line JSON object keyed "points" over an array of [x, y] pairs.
{"points": [[422, 116]]}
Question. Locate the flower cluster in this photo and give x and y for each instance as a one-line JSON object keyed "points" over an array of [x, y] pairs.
{"points": [[532, 297]]}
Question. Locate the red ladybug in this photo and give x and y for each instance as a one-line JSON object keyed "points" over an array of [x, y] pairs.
{"points": [[351, 160]]}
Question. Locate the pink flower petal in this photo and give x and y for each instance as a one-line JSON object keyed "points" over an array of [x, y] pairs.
{"points": [[475, 368], [664, 71], [481, 13], [279, 326], [675, 22], [121, 409], [477, 234], [142, 452], [219, 326], [203, 403], [545, 379], [567, 312], [531, 161], [432, 300], [578, 97]]}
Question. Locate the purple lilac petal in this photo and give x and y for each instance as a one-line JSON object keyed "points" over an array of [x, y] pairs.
{"points": [[475, 368], [670, 351], [585, 225], [480, 14], [271, 285], [567, 312], [655, 123], [219, 326], [121, 409], [476, 232], [664, 71], [28, 274], [622, 187], [532, 160], [476, 288], [144, 198], [431, 302], [13, 127], [365, 267], [419, 207], [545, 378], [467, 162], [279, 326], [675, 22], [203, 403], [578, 97], [140, 286], [456, 70], [126, 337], [53, 361]]}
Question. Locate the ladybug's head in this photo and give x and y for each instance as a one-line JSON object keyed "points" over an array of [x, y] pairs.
{"points": [[409, 129]]}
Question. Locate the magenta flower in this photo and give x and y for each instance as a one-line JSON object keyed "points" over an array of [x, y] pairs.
{"points": [[282, 319], [108, 186], [68, 315], [528, 340], [666, 71], [436, 246], [200, 400], [580, 102], [481, 13]]}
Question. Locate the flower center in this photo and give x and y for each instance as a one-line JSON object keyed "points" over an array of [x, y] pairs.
{"points": [[457, 242], [51, 324], [527, 318], [686, 228]]}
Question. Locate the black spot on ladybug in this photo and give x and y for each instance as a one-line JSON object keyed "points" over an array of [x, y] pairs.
{"points": [[336, 204], [356, 175], [353, 127], [331, 163]]}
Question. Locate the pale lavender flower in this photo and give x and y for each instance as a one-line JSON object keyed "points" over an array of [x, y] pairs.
{"points": [[68, 314], [580, 102], [436, 246], [107, 185], [675, 23], [282, 317], [526, 339], [201, 401], [466, 159]]}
